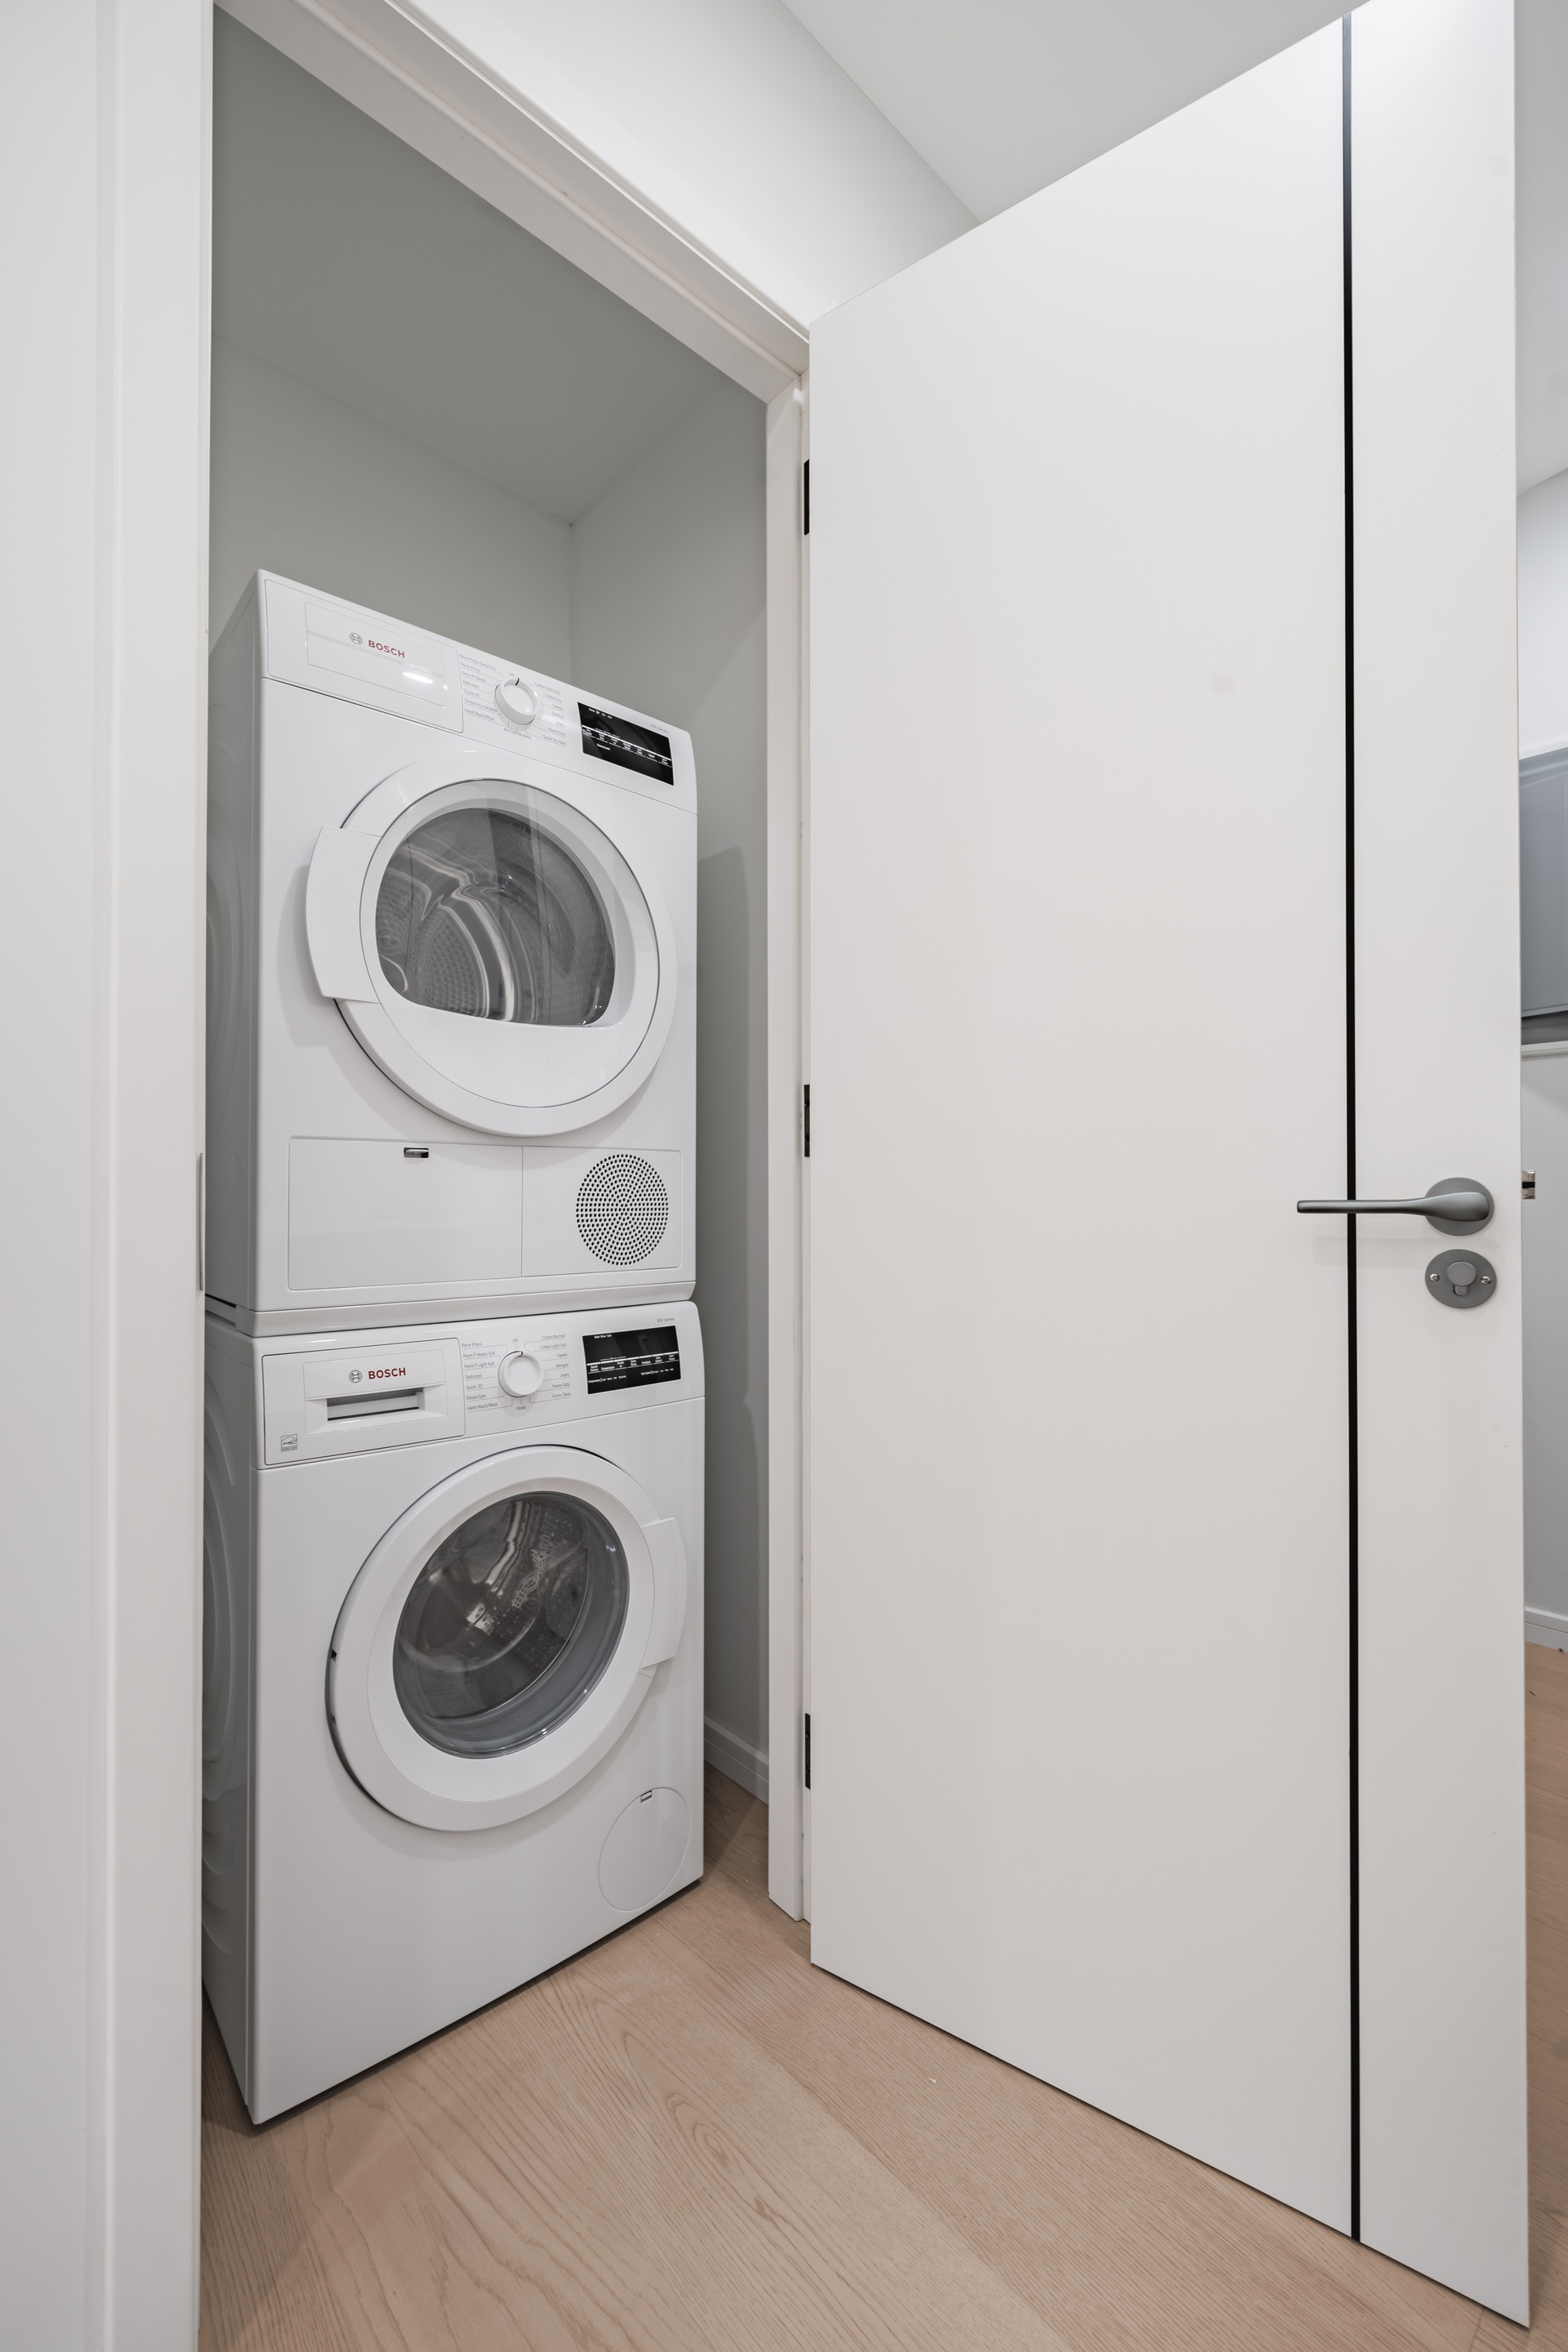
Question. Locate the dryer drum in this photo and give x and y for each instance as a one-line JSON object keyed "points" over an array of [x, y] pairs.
{"points": [[484, 913], [510, 1624]]}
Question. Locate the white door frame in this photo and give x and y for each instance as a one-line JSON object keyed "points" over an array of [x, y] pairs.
{"points": [[106, 162], [788, 734], [109, 570], [507, 147]]}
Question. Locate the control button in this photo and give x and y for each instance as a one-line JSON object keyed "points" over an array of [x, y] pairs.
{"points": [[519, 1375], [517, 701]]}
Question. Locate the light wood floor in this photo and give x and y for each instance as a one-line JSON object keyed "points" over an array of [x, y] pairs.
{"points": [[688, 2138]]}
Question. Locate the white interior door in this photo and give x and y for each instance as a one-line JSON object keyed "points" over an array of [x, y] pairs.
{"points": [[1116, 1769]]}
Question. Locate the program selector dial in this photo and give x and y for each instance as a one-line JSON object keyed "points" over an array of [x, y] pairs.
{"points": [[520, 1375], [517, 701]]}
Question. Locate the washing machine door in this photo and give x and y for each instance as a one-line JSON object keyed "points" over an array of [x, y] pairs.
{"points": [[501, 1636], [490, 947]]}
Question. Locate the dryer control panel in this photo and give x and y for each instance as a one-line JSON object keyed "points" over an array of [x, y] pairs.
{"points": [[312, 639], [492, 707]]}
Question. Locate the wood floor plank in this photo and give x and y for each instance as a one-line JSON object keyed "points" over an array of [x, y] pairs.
{"points": [[1546, 1815], [1117, 2240], [596, 2163], [689, 2138]]}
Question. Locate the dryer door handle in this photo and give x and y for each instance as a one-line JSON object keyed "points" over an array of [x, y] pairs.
{"points": [[668, 1590], [333, 888]]}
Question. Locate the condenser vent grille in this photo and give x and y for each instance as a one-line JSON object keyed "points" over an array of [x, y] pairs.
{"points": [[622, 1209]]}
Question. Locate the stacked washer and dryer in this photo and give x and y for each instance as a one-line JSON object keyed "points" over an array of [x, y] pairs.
{"points": [[454, 1420]]}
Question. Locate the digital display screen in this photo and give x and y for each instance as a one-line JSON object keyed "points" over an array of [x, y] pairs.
{"points": [[626, 744], [631, 1360]]}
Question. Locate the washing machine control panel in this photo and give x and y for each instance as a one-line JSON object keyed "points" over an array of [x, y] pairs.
{"points": [[509, 1372], [479, 1379]]}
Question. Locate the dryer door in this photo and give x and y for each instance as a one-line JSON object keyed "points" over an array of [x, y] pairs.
{"points": [[491, 947], [501, 1636]]}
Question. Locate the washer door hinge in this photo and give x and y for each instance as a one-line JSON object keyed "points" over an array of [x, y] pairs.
{"points": [[805, 1121], [805, 499], [808, 1751]]}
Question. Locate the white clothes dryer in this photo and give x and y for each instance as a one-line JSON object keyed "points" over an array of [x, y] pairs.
{"points": [[453, 1671], [451, 1033]]}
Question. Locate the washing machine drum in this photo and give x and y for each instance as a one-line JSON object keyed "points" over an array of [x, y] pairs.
{"points": [[492, 950], [501, 1636]]}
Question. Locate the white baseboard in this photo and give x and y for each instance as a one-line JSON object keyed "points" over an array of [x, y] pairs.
{"points": [[1547, 1628], [741, 1762]]}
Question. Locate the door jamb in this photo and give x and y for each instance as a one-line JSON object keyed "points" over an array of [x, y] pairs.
{"points": [[505, 146], [786, 690]]}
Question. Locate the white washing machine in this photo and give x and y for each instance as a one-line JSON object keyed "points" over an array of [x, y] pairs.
{"points": [[453, 1674], [452, 939]]}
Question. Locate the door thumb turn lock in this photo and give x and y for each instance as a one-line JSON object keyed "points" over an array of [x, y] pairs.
{"points": [[1460, 1278]]}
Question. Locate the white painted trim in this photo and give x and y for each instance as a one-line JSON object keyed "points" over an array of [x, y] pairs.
{"points": [[106, 615], [1547, 1628], [786, 683], [152, 683], [444, 101], [736, 1758]]}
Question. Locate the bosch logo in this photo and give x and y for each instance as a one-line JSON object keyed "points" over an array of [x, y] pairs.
{"points": [[391, 1373], [396, 651], [355, 638], [356, 1376]]}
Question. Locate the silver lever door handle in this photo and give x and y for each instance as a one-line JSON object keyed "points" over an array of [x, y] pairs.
{"points": [[1467, 1206]]}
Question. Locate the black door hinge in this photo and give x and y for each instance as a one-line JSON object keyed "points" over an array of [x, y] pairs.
{"points": [[805, 1121], [805, 499], [808, 1751]]}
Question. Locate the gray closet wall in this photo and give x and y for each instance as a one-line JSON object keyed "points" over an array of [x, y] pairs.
{"points": [[490, 445]]}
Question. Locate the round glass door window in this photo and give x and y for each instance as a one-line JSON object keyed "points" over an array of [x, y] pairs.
{"points": [[486, 913], [511, 1624]]}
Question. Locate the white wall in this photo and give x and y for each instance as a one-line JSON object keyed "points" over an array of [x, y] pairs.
{"points": [[1544, 616], [1543, 725], [1542, 58], [668, 614], [103, 188], [304, 485]]}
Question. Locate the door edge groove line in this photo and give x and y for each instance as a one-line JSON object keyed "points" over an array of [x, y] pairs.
{"points": [[1352, 1434]]}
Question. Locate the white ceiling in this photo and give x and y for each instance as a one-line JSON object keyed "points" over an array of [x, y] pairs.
{"points": [[341, 256], [1000, 97], [1003, 96]]}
